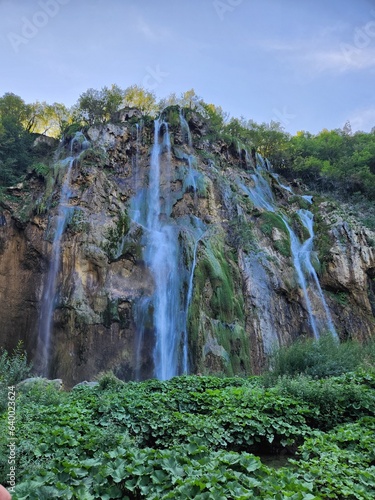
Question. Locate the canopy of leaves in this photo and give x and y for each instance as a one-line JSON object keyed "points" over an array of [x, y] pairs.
{"points": [[138, 97], [97, 106]]}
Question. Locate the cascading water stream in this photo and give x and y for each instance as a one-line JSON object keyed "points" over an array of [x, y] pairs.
{"points": [[48, 302], [199, 234], [164, 314], [161, 257], [49, 291], [186, 134], [305, 250], [262, 197]]}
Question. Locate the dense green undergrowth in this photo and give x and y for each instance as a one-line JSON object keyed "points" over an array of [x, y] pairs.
{"points": [[196, 437]]}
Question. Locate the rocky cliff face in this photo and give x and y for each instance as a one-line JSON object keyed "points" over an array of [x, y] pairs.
{"points": [[224, 226]]}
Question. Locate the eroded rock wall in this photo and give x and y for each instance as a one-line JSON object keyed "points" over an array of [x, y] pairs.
{"points": [[246, 297]]}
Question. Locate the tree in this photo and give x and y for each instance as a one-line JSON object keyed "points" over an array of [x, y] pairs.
{"points": [[113, 98], [14, 108], [138, 97], [15, 144], [91, 106], [97, 106], [190, 99]]}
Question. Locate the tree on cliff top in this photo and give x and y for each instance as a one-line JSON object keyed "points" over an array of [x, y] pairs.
{"points": [[97, 106], [138, 97]]}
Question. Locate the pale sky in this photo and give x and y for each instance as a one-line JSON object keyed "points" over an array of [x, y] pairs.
{"points": [[309, 64]]}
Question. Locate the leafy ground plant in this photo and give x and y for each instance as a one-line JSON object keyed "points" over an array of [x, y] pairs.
{"points": [[196, 437]]}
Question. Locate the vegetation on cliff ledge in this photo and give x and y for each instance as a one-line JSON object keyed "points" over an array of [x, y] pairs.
{"points": [[336, 161]]}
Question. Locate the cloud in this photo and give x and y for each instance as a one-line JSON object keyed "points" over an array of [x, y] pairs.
{"points": [[343, 59], [148, 32], [335, 48]]}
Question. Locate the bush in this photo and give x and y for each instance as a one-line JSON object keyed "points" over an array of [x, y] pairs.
{"points": [[331, 401], [321, 358], [108, 380], [13, 369]]}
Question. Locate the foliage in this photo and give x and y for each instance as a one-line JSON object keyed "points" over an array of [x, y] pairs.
{"points": [[48, 119], [242, 235], [335, 159], [109, 380], [341, 462], [115, 236], [14, 367], [97, 106], [324, 357], [331, 400], [15, 150], [196, 437], [41, 169], [18, 122], [142, 99]]}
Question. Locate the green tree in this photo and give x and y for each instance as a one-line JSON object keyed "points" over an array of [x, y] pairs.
{"points": [[97, 106], [15, 141], [14, 108], [138, 97]]}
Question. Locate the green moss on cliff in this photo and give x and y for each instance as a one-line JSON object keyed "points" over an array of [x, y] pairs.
{"points": [[323, 240], [111, 313], [115, 235], [269, 221], [217, 311]]}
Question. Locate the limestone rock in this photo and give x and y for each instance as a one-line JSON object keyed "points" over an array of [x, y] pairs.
{"points": [[245, 297]]}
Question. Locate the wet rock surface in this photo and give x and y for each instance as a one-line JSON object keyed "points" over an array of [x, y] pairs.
{"points": [[245, 296]]}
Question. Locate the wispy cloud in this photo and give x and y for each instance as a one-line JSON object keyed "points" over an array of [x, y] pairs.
{"points": [[333, 49], [150, 32], [342, 59]]}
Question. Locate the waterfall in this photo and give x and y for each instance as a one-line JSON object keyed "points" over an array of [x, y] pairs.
{"points": [[164, 314], [262, 196], [162, 258], [302, 258], [186, 134], [49, 291]]}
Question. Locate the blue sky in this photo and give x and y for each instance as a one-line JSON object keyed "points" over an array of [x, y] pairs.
{"points": [[308, 64]]}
